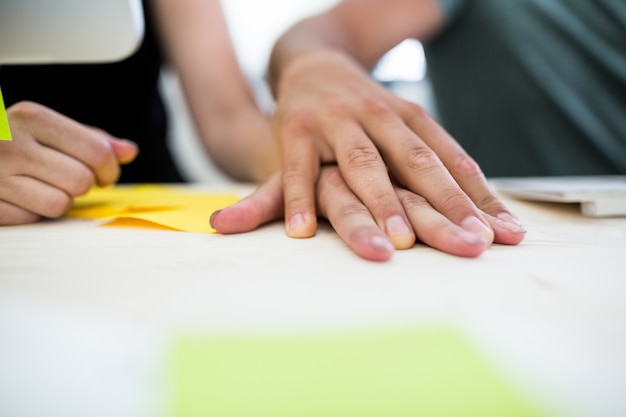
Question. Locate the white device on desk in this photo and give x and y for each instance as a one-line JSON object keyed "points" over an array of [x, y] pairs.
{"points": [[599, 196], [69, 31]]}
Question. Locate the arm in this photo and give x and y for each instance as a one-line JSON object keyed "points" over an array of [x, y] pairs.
{"points": [[233, 129]]}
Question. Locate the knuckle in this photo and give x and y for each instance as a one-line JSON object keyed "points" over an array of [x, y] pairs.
{"points": [[334, 178], [294, 123], [363, 157], [420, 159], [490, 203], [452, 201], [378, 107], [414, 111], [100, 159], [58, 203], [82, 181], [351, 209], [98, 155], [292, 173], [411, 201], [340, 110], [384, 200], [24, 110], [465, 165]]}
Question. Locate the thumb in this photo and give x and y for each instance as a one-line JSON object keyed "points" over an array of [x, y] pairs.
{"points": [[264, 205]]}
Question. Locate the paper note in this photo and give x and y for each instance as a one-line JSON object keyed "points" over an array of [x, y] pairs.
{"points": [[431, 372], [5, 132], [152, 206]]}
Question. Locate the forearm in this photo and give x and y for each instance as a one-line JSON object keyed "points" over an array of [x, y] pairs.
{"points": [[220, 101], [224, 112]]}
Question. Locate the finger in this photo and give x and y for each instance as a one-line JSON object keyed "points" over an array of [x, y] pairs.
{"points": [[11, 214], [437, 231], [419, 168], [350, 218], [467, 173], [49, 166], [508, 229], [366, 174], [300, 169], [52, 129], [125, 150], [34, 196], [264, 205]]}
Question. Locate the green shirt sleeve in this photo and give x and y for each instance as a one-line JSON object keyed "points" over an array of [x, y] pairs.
{"points": [[452, 8]]}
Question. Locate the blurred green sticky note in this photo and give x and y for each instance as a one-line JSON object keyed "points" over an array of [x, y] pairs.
{"points": [[431, 372], [5, 132]]}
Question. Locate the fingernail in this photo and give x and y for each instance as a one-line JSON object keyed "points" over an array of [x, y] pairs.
{"points": [[473, 225], [396, 225], [128, 141], [381, 243], [398, 232], [296, 221], [212, 216], [471, 238], [510, 223]]}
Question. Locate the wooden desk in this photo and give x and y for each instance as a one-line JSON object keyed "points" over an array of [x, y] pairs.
{"points": [[551, 310]]}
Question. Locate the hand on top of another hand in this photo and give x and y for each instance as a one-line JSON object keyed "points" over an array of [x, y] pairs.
{"points": [[329, 110], [357, 227]]}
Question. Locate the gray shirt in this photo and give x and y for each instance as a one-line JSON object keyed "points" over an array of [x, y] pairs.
{"points": [[534, 87]]}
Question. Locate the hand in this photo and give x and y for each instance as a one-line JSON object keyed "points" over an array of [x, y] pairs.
{"points": [[52, 159], [330, 110], [355, 224]]}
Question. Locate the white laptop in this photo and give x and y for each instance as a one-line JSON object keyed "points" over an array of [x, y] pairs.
{"points": [[69, 31], [599, 196]]}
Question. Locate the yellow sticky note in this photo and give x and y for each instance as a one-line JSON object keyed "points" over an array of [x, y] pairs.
{"points": [[432, 372], [150, 205], [5, 132]]}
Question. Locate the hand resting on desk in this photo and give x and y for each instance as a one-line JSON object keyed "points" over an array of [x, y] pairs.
{"points": [[356, 225], [379, 168]]}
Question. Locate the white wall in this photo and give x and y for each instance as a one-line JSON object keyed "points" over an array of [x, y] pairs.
{"points": [[255, 25]]}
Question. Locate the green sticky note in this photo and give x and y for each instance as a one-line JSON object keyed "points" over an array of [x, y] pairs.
{"points": [[432, 372], [5, 132]]}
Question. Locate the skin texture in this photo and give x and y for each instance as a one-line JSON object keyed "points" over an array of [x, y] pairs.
{"points": [[398, 175]]}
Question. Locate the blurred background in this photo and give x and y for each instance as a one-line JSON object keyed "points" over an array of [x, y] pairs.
{"points": [[403, 70]]}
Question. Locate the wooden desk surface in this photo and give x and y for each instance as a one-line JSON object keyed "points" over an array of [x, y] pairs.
{"points": [[555, 303]]}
